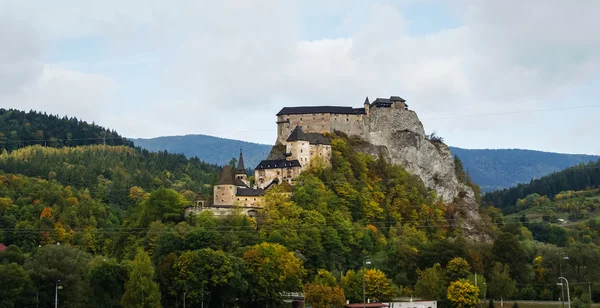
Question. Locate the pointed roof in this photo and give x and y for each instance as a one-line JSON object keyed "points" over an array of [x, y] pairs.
{"points": [[226, 177], [297, 134], [240, 167], [367, 100]]}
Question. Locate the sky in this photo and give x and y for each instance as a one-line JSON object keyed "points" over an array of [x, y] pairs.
{"points": [[480, 74]]}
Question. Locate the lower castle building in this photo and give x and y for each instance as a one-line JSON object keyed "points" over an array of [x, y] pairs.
{"points": [[302, 142]]}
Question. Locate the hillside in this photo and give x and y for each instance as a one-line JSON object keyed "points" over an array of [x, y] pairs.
{"points": [[580, 177], [109, 172], [20, 129], [497, 169], [119, 210], [490, 169], [213, 150]]}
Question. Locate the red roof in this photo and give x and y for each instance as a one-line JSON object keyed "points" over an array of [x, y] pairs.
{"points": [[367, 305], [2, 247]]}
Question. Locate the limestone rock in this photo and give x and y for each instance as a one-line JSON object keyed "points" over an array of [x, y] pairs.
{"points": [[398, 134]]}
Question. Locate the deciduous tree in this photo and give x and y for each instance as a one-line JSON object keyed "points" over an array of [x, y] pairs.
{"points": [[140, 289]]}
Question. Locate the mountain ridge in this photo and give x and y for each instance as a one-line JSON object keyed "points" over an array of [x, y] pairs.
{"points": [[492, 169]]}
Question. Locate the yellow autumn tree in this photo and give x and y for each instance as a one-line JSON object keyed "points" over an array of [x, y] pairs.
{"points": [[323, 296], [463, 294]]}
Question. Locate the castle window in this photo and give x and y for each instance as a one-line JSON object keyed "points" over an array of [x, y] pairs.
{"points": [[300, 119], [246, 199], [347, 119], [254, 199], [238, 199], [300, 151]]}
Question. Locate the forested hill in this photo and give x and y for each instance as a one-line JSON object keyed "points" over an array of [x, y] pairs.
{"points": [[490, 169], [20, 129], [109, 172], [580, 177], [503, 168]]}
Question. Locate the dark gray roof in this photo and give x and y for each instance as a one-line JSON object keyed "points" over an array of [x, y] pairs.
{"points": [[226, 177], [312, 138], [381, 102], [239, 183], [397, 98], [316, 138], [250, 192], [297, 134], [321, 109], [240, 167], [278, 163], [367, 100]]}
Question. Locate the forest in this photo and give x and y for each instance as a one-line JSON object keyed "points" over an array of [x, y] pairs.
{"points": [[108, 223], [580, 177]]}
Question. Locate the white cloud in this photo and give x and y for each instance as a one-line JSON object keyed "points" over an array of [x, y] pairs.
{"points": [[230, 65]]}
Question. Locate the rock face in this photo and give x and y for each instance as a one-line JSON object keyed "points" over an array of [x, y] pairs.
{"points": [[402, 134], [398, 134]]}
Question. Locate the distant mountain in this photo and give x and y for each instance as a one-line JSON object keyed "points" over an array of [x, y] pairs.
{"points": [[213, 150], [491, 169], [498, 169]]}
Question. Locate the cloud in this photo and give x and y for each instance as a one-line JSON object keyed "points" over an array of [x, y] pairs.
{"points": [[226, 67]]}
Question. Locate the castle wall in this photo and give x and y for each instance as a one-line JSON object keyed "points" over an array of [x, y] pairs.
{"points": [[310, 123], [224, 194], [351, 124], [252, 201], [301, 151], [322, 151], [264, 177]]}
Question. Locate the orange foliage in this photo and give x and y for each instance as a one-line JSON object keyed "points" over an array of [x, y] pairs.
{"points": [[46, 213]]}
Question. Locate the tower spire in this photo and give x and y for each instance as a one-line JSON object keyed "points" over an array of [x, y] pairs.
{"points": [[240, 167]]}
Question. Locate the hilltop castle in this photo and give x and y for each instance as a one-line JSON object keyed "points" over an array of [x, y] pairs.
{"points": [[301, 142]]}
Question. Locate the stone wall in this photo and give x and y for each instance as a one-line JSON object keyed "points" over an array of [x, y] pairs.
{"points": [[322, 151], [264, 177], [351, 124], [224, 194], [252, 201], [299, 150]]}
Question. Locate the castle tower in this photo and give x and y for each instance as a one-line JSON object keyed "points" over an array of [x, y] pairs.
{"points": [[367, 106], [225, 189], [298, 147], [240, 171]]}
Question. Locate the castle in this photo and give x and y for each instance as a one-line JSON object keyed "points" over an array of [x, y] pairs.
{"points": [[301, 142]]}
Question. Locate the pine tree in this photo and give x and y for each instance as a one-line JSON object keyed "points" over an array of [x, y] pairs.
{"points": [[140, 289]]}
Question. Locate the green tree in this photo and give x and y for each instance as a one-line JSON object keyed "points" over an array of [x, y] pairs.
{"points": [[12, 254], [463, 294], [377, 285], [64, 263], [500, 284], [457, 268], [17, 289], [431, 284], [163, 204], [507, 249], [271, 270], [205, 275], [140, 289], [107, 281]]}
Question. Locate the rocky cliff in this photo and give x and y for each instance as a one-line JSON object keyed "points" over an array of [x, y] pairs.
{"points": [[398, 134]]}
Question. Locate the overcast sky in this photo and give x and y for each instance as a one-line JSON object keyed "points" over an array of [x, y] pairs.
{"points": [[225, 68]]}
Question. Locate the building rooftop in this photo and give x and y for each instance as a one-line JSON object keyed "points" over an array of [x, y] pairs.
{"points": [[278, 163], [321, 109], [312, 138], [240, 167], [226, 177], [250, 192]]}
